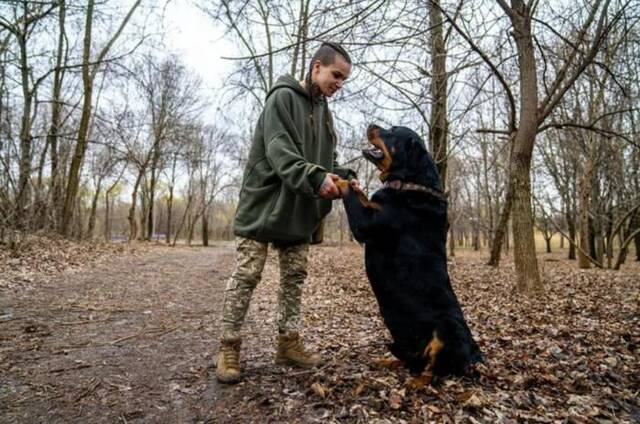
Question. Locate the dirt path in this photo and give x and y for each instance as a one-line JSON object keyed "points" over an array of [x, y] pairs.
{"points": [[130, 340]]}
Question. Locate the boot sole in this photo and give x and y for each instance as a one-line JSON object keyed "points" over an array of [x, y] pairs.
{"points": [[231, 380], [285, 361]]}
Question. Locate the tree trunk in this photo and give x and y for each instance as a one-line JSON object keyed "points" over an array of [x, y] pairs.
{"points": [[583, 222], [144, 207], [150, 217], [24, 195], [623, 252], [438, 120], [55, 182], [524, 255], [501, 228], [571, 224], [108, 203], [593, 250], [133, 226], [189, 230], [187, 211], [169, 215], [107, 224], [83, 130], [624, 246], [476, 240], [304, 32], [94, 207], [205, 229], [88, 76], [152, 188], [452, 243], [609, 240], [548, 242]]}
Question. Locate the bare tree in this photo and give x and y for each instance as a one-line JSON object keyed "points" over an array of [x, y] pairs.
{"points": [[533, 112], [90, 67], [22, 27], [438, 120], [173, 101]]}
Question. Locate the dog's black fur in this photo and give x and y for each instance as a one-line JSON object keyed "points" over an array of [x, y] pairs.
{"points": [[404, 232]]}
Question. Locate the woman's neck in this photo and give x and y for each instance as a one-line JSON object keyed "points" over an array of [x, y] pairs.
{"points": [[315, 88]]}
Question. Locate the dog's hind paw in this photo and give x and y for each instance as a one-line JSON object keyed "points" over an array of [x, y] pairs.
{"points": [[388, 363], [419, 382]]}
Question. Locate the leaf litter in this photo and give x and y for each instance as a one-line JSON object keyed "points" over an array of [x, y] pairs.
{"points": [[568, 354]]}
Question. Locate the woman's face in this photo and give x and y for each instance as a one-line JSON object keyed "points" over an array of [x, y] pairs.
{"points": [[330, 78]]}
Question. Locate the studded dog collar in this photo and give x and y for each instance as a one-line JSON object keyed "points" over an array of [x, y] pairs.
{"points": [[400, 185]]}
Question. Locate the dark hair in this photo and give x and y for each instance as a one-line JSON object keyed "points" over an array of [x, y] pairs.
{"points": [[326, 54]]}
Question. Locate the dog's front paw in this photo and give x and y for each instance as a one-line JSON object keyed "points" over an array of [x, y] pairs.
{"points": [[343, 186]]}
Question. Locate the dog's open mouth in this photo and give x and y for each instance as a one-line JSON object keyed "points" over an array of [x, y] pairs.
{"points": [[373, 154], [377, 152]]}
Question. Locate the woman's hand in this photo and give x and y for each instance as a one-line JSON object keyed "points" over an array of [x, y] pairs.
{"points": [[328, 188]]}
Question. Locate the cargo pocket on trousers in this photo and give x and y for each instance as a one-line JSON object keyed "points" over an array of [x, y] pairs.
{"points": [[232, 284]]}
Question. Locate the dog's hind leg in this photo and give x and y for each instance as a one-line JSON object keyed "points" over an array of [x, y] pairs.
{"points": [[433, 348], [431, 353]]}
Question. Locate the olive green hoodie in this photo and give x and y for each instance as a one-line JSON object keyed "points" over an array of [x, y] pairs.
{"points": [[286, 166]]}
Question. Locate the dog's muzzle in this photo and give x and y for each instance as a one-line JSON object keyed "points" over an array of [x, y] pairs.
{"points": [[373, 153]]}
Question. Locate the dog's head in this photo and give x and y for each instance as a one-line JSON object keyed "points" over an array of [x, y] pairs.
{"points": [[400, 154]]}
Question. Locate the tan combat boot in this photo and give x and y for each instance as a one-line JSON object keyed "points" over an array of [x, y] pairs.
{"points": [[228, 368], [291, 351]]}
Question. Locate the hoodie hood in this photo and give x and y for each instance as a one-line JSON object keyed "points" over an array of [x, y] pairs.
{"points": [[292, 83], [290, 156]]}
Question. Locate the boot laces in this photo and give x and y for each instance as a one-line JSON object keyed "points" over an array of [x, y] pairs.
{"points": [[298, 347], [231, 354]]}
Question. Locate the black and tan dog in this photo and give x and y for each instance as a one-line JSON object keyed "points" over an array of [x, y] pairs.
{"points": [[403, 228]]}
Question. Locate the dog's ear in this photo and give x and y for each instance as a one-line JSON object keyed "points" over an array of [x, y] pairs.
{"points": [[423, 165]]}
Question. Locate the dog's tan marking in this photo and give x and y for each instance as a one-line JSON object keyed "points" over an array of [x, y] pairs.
{"points": [[374, 138], [344, 187], [431, 351], [433, 348]]}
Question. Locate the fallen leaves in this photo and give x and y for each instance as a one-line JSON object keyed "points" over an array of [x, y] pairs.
{"points": [[37, 257], [395, 398], [319, 390], [569, 355], [579, 339]]}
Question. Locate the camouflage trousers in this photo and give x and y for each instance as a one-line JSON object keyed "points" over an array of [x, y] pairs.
{"points": [[250, 259]]}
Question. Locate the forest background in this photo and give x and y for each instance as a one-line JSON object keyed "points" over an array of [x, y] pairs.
{"points": [[110, 130], [124, 130]]}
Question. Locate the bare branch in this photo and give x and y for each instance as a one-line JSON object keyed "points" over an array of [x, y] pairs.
{"points": [[485, 58]]}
